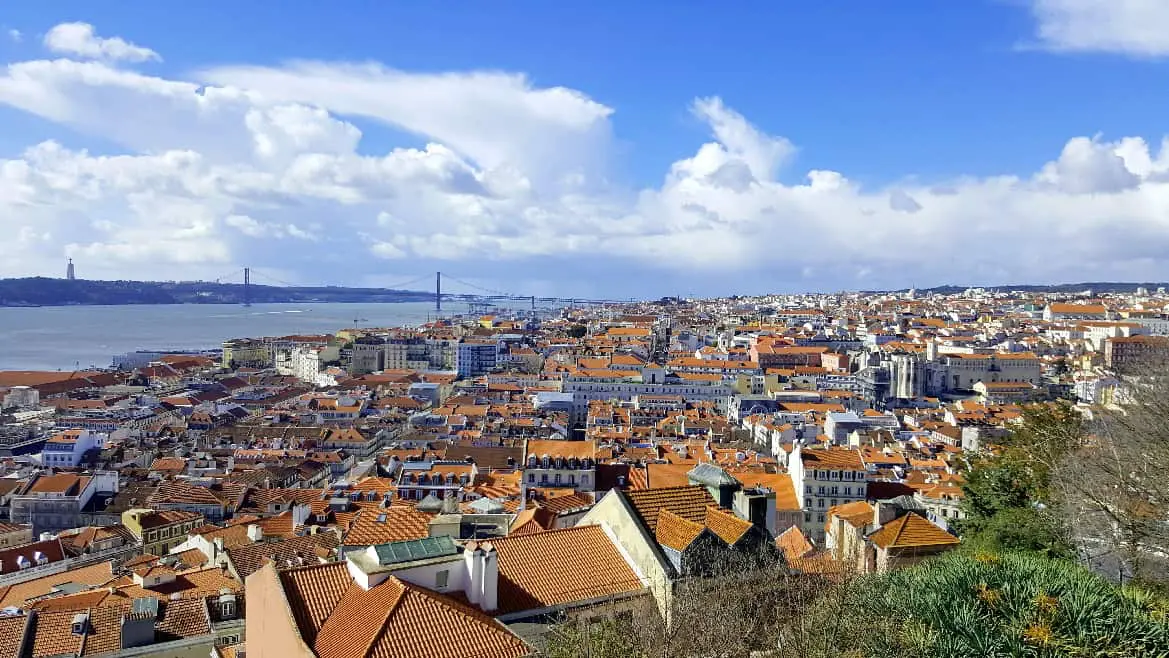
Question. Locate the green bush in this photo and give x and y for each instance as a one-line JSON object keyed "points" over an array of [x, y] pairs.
{"points": [[1016, 604]]}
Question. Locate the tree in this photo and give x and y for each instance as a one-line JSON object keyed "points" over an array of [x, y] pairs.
{"points": [[1009, 501], [1115, 485], [1021, 529], [577, 331]]}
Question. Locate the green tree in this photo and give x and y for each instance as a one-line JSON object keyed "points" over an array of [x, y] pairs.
{"points": [[1009, 498], [1026, 529]]}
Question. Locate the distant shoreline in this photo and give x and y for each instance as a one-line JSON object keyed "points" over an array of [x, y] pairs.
{"points": [[42, 291], [254, 304]]}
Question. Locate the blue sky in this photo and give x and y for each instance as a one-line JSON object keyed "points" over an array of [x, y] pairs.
{"points": [[934, 102]]}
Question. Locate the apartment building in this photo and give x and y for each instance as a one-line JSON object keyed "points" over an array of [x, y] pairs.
{"points": [[50, 503], [476, 357], [160, 531], [825, 478], [1136, 352], [66, 449], [554, 463], [588, 385], [246, 352]]}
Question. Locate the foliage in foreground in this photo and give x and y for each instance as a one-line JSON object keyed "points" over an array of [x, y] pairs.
{"points": [[957, 606], [961, 606]]}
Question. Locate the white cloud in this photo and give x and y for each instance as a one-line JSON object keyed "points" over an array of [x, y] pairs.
{"points": [[494, 119], [1130, 27], [81, 39], [15, 35], [261, 168], [1087, 166]]}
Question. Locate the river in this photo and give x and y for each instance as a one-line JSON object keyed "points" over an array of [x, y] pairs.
{"points": [[67, 337]]}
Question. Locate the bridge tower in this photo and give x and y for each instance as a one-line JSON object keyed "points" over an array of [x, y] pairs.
{"points": [[247, 286], [438, 292]]}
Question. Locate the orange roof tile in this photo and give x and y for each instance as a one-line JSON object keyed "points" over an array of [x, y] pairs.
{"points": [[857, 513], [911, 530], [559, 567], [339, 619], [793, 543], [11, 634], [381, 526], [676, 532], [689, 502], [726, 525]]}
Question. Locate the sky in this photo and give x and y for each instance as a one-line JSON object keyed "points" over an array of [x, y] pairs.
{"points": [[590, 149]]}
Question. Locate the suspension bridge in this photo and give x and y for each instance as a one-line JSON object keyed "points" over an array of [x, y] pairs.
{"points": [[475, 296]]}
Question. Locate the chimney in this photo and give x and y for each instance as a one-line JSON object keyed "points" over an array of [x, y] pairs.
{"points": [[255, 533], [300, 514], [884, 512], [472, 554], [489, 581]]}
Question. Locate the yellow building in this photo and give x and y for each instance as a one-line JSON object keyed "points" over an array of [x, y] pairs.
{"points": [[246, 352], [161, 531]]}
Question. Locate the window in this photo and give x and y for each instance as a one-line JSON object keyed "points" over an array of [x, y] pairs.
{"points": [[807, 517], [808, 489], [834, 502], [544, 478], [848, 491], [532, 478], [819, 518], [441, 578], [820, 490], [834, 491], [820, 504], [557, 478]]}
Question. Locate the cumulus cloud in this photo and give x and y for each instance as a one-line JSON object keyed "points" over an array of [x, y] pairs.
{"points": [[15, 35], [1087, 166], [81, 39], [494, 119], [259, 166], [1130, 27]]}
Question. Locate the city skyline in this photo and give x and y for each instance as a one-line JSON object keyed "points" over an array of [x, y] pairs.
{"points": [[629, 152]]}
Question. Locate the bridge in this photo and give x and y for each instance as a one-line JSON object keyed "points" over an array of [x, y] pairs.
{"points": [[475, 296]]}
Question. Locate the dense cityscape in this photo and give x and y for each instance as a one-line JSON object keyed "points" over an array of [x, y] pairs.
{"points": [[539, 329], [474, 482]]}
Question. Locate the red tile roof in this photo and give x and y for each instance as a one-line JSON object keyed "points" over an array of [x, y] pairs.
{"points": [[689, 502], [911, 531], [339, 619], [560, 567]]}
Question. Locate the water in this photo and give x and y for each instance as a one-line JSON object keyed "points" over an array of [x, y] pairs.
{"points": [[66, 337]]}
